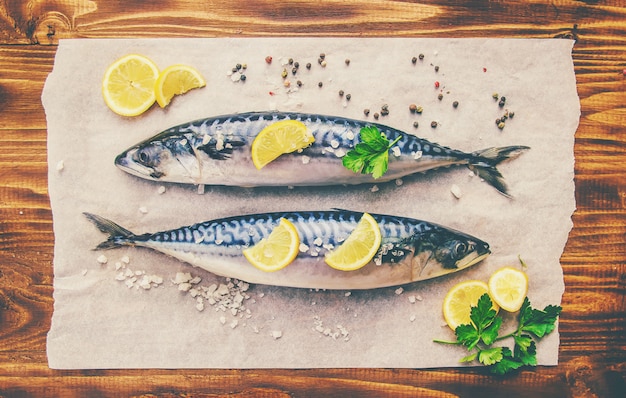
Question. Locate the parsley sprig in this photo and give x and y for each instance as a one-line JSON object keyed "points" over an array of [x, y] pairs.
{"points": [[371, 155], [482, 333]]}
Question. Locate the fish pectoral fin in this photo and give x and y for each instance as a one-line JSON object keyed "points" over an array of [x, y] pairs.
{"points": [[419, 264]]}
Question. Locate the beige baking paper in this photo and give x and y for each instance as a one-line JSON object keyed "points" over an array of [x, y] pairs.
{"points": [[105, 316]]}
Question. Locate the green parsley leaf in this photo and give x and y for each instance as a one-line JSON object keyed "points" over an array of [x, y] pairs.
{"points": [[538, 322], [507, 364], [467, 335], [490, 356], [371, 155]]}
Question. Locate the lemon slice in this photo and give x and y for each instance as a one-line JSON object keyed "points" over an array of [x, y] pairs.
{"points": [[176, 80], [128, 85], [278, 138], [359, 248], [276, 251], [459, 301], [508, 287]]}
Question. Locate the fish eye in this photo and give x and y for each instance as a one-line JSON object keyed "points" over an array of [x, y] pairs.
{"points": [[460, 249], [144, 156]]}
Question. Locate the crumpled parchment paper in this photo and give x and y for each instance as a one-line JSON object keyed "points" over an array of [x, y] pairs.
{"points": [[133, 308]]}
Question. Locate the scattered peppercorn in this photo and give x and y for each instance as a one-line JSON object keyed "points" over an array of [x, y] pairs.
{"points": [[322, 56], [234, 69], [502, 102], [436, 84], [434, 124], [238, 66], [501, 125], [290, 61], [347, 61], [341, 93], [455, 104], [436, 68], [308, 65], [416, 124], [294, 71], [414, 60], [284, 73], [244, 66], [376, 115], [348, 97], [366, 112], [419, 109], [243, 78], [384, 112], [385, 107], [421, 57], [495, 96], [268, 59], [320, 84], [299, 83], [440, 97], [296, 64], [413, 108], [511, 115]]}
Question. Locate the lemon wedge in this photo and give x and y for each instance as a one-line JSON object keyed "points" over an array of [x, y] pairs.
{"points": [[128, 85], [508, 287], [276, 251], [278, 138], [176, 80], [359, 248], [460, 299]]}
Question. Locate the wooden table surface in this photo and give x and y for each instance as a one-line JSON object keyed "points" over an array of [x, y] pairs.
{"points": [[593, 323]]}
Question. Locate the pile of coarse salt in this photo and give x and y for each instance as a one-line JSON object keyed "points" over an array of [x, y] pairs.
{"points": [[225, 297], [136, 279], [337, 333]]}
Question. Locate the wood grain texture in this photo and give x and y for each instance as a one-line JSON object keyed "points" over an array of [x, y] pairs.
{"points": [[593, 323]]}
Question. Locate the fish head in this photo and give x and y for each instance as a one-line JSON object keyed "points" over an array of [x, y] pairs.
{"points": [[448, 251], [166, 159]]}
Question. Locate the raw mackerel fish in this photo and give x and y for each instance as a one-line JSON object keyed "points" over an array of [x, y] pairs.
{"points": [[217, 151], [411, 250]]}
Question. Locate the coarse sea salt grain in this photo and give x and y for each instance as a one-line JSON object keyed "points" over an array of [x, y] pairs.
{"points": [[60, 165], [456, 191], [102, 259], [277, 334]]}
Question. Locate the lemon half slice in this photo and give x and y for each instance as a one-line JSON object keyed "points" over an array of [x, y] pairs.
{"points": [[128, 85], [176, 80], [359, 248], [508, 288], [278, 138], [460, 299], [276, 251]]}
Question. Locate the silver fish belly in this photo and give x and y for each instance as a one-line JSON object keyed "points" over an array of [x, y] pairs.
{"points": [[411, 250], [217, 151]]}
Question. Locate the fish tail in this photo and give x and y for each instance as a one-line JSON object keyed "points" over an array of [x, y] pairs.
{"points": [[118, 236], [484, 164]]}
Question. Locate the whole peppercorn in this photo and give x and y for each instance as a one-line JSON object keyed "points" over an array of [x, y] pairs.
{"points": [[434, 124], [498, 121], [238, 66], [284, 73], [320, 84], [348, 97], [501, 125], [385, 107], [290, 61], [347, 61], [322, 56], [268, 59], [414, 60], [296, 65], [243, 78], [308, 65], [511, 115], [294, 71], [436, 68], [416, 124], [413, 108], [421, 57], [299, 83], [244, 66], [419, 109], [341, 93], [440, 97], [376, 115], [366, 112], [495, 96], [455, 104], [384, 112]]}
